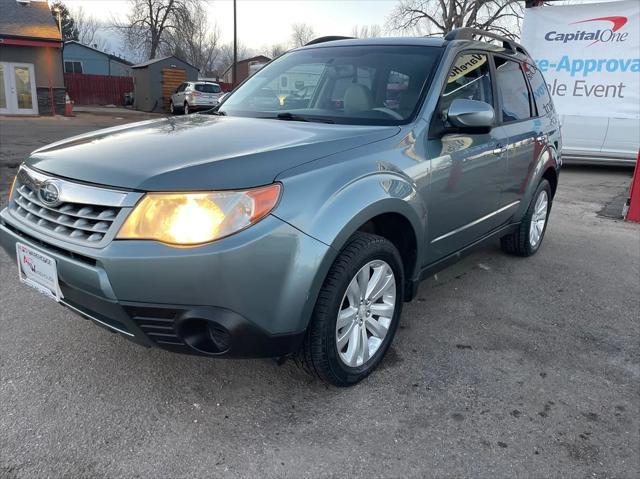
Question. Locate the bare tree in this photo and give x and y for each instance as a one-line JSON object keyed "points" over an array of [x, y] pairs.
{"points": [[435, 17], [89, 30], [148, 22], [301, 34], [276, 50], [225, 57], [366, 31], [194, 41]]}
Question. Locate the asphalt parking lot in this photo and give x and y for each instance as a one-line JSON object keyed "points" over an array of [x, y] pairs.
{"points": [[502, 367]]}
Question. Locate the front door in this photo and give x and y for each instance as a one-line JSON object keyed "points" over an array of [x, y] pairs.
{"points": [[18, 89], [466, 167]]}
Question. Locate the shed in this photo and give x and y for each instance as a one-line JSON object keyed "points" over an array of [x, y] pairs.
{"points": [[155, 80]]}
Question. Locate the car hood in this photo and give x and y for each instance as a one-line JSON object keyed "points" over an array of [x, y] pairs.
{"points": [[198, 152]]}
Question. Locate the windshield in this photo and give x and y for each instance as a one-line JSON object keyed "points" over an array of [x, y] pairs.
{"points": [[372, 85], [208, 88]]}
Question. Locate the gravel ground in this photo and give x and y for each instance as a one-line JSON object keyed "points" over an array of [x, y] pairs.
{"points": [[502, 368]]}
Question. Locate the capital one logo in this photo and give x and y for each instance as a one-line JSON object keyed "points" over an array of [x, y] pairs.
{"points": [[593, 34]]}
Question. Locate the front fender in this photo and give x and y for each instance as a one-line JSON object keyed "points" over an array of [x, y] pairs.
{"points": [[341, 213]]}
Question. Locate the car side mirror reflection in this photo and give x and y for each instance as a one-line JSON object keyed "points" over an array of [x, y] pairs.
{"points": [[470, 114]]}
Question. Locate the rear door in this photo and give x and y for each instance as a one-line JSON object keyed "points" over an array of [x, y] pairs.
{"points": [[466, 168], [522, 127]]}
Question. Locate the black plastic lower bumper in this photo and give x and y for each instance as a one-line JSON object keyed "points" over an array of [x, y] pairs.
{"points": [[199, 330]]}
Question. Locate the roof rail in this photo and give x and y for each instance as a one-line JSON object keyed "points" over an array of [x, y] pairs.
{"points": [[472, 33], [327, 39]]}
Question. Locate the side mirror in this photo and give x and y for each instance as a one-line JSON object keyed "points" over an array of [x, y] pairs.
{"points": [[470, 114]]}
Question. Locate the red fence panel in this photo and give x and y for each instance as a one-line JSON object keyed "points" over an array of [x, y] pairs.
{"points": [[97, 89]]}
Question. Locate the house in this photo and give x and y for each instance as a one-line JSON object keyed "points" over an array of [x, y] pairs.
{"points": [[245, 68], [79, 58], [31, 78], [155, 80]]}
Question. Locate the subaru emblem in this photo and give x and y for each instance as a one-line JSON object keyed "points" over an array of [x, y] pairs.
{"points": [[49, 194]]}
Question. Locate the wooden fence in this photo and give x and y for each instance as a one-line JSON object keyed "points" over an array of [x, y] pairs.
{"points": [[97, 89]]}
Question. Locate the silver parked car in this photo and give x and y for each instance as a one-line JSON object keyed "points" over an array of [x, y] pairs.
{"points": [[272, 226], [193, 96]]}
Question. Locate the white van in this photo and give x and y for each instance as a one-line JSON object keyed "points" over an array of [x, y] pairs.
{"points": [[589, 139]]}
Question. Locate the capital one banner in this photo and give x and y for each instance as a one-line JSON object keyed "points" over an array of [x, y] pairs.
{"points": [[589, 55]]}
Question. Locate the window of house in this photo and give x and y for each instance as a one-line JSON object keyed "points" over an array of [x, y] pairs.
{"points": [[513, 91], [72, 67]]}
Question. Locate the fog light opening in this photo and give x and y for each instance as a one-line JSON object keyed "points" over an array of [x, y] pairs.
{"points": [[205, 336]]}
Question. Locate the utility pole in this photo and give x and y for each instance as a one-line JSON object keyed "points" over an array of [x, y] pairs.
{"points": [[235, 46]]}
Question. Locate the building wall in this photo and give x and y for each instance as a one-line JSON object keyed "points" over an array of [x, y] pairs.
{"points": [[119, 69], [47, 66], [142, 97], [94, 62], [45, 60]]}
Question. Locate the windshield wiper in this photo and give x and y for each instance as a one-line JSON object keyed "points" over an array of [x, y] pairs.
{"points": [[288, 116]]}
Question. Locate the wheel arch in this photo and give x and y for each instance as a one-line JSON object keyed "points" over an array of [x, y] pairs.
{"points": [[545, 167]]}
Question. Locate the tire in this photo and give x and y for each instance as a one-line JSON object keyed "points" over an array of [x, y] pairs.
{"points": [[172, 109], [521, 242], [320, 350], [186, 108]]}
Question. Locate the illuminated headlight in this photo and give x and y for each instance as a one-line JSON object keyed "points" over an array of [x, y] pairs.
{"points": [[194, 218]]}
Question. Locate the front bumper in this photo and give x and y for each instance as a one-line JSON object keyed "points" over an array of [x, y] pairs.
{"points": [[248, 295]]}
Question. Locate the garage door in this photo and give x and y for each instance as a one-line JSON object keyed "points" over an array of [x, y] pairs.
{"points": [[171, 79]]}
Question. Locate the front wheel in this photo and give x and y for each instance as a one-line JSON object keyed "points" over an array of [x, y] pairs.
{"points": [[187, 110], [357, 312], [526, 240]]}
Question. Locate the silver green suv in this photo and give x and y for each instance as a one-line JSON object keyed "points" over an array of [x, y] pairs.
{"points": [[296, 217]]}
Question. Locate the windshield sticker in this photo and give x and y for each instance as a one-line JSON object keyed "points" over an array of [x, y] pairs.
{"points": [[465, 64]]}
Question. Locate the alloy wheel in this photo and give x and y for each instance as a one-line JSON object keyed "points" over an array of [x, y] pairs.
{"points": [[538, 219], [365, 313]]}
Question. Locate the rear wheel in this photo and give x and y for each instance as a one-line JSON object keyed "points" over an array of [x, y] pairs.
{"points": [[187, 110], [357, 312], [527, 239]]}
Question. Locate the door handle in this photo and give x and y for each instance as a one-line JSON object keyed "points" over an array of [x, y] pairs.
{"points": [[499, 150]]}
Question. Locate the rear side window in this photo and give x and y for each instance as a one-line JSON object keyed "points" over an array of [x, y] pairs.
{"points": [[513, 91], [541, 96], [468, 79], [207, 88]]}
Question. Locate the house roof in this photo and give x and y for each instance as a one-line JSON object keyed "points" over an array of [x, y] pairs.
{"points": [[112, 57], [161, 59], [30, 20], [247, 60]]}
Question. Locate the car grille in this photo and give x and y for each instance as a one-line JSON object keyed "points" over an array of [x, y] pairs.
{"points": [[81, 222], [77, 213]]}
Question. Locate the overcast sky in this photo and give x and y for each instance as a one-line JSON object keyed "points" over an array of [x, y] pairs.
{"points": [[262, 23], [265, 22]]}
